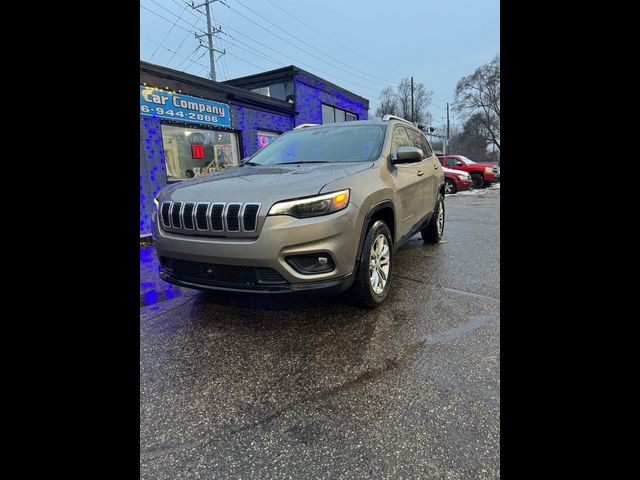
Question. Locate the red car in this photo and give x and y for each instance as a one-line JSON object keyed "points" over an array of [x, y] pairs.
{"points": [[482, 174], [456, 180]]}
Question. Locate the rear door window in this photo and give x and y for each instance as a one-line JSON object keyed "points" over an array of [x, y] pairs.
{"points": [[420, 142]]}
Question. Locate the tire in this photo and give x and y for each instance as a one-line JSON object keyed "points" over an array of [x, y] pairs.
{"points": [[433, 232], [450, 187], [365, 291], [478, 180]]}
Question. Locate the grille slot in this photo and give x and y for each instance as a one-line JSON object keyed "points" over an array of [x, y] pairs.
{"points": [[233, 217], [222, 275], [216, 217], [250, 217], [166, 219], [187, 216], [175, 215], [201, 216]]}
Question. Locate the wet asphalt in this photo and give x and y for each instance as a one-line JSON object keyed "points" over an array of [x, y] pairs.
{"points": [[307, 387]]}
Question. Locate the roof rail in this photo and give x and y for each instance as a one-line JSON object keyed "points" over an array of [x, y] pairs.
{"points": [[305, 125], [387, 117]]}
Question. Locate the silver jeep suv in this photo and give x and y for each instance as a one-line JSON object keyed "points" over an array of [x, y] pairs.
{"points": [[321, 208]]}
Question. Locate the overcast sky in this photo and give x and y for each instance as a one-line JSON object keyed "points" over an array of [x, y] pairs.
{"points": [[360, 45]]}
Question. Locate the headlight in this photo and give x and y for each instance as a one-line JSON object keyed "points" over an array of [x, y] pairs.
{"points": [[156, 203], [464, 176], [312, 206], [488, 169]]}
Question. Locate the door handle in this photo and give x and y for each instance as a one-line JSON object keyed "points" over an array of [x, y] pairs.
{"points": [[436, 166], [420, 173]]}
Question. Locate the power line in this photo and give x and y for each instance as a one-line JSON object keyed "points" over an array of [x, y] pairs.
{"points": [[165, 37], [293, 44], [188, 58], [166, 48], [254, 51], [333, 40], [166, 19], [246, 61], [174, 14], [179, 46], [368, 75], [198, 17]]}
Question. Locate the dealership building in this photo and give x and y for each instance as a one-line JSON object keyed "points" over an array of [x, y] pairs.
{"points": [[191, 126]]}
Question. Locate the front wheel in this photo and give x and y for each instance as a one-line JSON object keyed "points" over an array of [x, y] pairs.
{"points": [[478, 180], [450, 187], [432, 233], [375, 265]]}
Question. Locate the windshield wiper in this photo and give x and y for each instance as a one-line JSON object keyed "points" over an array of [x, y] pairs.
{"points": [[302, 161], [252, 164]]}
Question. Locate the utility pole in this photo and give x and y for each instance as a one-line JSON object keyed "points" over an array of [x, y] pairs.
{"points": [[210, 33], [412, 115], [447, 124]]}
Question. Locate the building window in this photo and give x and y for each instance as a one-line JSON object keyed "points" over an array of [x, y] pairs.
{"points": [[192, 152], [262, 91], [279, 90], [327, 114], [265, 138], [332, 114]]}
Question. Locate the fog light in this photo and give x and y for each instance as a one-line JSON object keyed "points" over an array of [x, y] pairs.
{"points": [[311, 263]]}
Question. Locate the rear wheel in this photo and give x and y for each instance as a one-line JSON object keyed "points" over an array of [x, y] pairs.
{"points": [[432, 233], [450, 186], [478, 180], [375, 265]]}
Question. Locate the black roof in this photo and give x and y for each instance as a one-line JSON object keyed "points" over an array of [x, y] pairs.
{"points": [[289, 71], [164, 77]]}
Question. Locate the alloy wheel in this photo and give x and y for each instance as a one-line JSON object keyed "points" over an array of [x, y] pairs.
{"points": [[379, 264]]}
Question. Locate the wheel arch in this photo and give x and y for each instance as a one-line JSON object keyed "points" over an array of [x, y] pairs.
{"points": [[384, 211]]}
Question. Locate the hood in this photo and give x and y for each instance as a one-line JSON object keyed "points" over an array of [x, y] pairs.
{"points": [[264, 184]]}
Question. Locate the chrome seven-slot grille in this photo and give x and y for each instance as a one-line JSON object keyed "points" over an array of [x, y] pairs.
{"points": [[210, 217]]}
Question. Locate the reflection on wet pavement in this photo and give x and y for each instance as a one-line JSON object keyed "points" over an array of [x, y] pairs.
{"points": [[152, 289]]}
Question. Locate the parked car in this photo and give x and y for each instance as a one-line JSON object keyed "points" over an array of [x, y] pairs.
{"points": [[456, 180], [482, 174], [322, 208]]}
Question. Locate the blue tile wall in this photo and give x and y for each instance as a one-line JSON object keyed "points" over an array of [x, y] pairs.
{"points": [[249, 121], [312, 93], [152, 170]]}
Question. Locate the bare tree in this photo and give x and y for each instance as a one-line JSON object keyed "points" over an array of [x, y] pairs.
{"points": [[388, 103], [399, 102], [472, 141], [421, 100], [478, 95]]}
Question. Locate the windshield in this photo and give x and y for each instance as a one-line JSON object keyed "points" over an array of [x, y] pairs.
{"points": [[466, 160], [361, 143]]}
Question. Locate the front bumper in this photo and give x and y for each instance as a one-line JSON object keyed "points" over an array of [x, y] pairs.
{"points": [[280, 236], [464, 184], [328, 287]]}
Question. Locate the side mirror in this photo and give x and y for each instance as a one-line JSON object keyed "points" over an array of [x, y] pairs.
{"points": [[459, 163], [408, 155]]}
